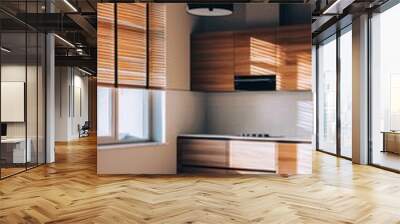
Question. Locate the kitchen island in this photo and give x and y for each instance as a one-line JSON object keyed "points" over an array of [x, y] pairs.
{"points": [[240, 154]]}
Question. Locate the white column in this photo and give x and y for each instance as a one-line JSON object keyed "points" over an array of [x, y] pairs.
{"points": [[360, 90]]}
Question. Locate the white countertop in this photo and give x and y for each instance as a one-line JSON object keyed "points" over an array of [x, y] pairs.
{"points": [[245, 138]]}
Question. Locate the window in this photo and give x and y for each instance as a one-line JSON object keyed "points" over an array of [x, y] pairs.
{"points": [[327, 95], [133, 115], [334, 93], [105, 110], [346, 93], [128, 115], [385, 89]]}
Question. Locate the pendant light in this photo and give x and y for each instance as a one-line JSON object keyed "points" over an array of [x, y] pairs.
{"points": [[200, 9]]}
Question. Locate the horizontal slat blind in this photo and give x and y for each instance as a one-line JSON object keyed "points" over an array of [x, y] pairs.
{"points": [[157, 58], [105, 43], [131, 19]]}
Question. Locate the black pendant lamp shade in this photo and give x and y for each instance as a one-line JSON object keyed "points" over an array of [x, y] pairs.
{"points": [[199, 9]]}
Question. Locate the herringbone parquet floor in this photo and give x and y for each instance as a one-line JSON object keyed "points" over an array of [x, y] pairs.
{"points": [[69, 191]]}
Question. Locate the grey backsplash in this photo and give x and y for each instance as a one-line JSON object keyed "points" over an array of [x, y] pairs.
{"points": [[277, 113]]}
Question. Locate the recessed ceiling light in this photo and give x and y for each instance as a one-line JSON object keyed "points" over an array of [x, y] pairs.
{"points": [[5, 50], [210, 9]]}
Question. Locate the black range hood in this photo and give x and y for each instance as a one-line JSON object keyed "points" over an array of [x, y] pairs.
{"points": [[255, 82]]}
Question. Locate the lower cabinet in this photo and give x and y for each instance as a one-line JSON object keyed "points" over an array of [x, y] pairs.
{"points": [[294, 158], [226, 154], [240, 156], [252, 155], [203, 152]]}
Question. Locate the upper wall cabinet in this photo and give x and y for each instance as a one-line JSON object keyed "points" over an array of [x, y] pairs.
{"points": [[255, 52], [220, 56], [132, 35], [212, 62], [294, 58]]}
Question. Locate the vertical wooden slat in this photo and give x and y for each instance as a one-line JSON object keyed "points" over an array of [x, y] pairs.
{"points": [[157, 42], [131, 19], [105, 43]]}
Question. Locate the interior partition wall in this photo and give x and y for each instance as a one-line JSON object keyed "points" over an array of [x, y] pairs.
{"points": [[131, 73], [22, 107], [334, 94]]}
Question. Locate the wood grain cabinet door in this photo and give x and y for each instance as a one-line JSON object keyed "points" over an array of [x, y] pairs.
{"points": [[252, 155], [255, 52], [212, 60], [294, 57], [294, 158], [202, 152]]}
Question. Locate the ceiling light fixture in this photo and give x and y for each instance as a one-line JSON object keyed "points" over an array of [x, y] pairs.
{"points": [[337, 7], [70, 5], [5, 50], [84, 71], [200, 9], [64, 40]]}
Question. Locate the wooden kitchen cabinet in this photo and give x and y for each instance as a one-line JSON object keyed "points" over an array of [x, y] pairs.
{"points": [[283, 51], [232, 155], [252, 155], [294, 158], [212, 62], [294, 58], [255, 52], [203, 152]]}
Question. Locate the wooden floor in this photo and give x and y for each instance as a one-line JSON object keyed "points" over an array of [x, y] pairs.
{"points": [[69, 191], [386, 159]]}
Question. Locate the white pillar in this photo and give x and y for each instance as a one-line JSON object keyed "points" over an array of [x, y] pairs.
{"points": [[360, 90], [50, 98]]}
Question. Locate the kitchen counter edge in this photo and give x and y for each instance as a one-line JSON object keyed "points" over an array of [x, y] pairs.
{"points": [[244, 138]]}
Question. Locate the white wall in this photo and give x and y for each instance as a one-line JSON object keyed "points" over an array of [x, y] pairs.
{"points": [[184, 114], [68, 85], [179, 27], [275, 113]]}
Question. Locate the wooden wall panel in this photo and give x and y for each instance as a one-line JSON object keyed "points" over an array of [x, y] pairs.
{"points": [[105, 43], [131, 19], [157, 42], [212, 62], [294, 58], [255, 52]]}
